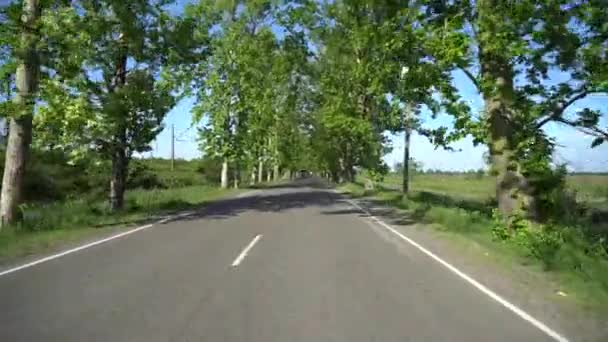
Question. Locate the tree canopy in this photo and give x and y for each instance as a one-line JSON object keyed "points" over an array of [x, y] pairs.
{"points": [[284, 85]]}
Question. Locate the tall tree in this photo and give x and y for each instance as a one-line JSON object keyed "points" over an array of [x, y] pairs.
{"points": [[116, 104], [509, 50], [239, 97], [27, 75], [353, 83]]}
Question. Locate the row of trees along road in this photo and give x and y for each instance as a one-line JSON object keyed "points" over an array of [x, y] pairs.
{"points": [[284, 85]]}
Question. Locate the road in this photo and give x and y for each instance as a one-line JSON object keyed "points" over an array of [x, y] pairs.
{"points": [[318, 270]]}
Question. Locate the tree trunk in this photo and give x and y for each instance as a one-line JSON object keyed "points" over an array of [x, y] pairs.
{"points": [[342, 170], [236, 176], [120, 160], [511, 193], [20, 126], [224, 175], [118, 180], [276, 172], [260, 171], [269, 176], [406, 160], [252, 176]]}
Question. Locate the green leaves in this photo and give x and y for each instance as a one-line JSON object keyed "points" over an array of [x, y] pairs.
{"points": [[588, 118], [106, 88]]}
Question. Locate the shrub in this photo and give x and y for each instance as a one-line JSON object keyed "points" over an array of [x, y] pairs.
{"points": [[500, 231], [541, 242], [140, 176], [210, 168]]}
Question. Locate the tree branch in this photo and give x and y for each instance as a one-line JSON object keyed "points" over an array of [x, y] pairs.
{"points": [[471, 77], [560, 107], [592, 131]]}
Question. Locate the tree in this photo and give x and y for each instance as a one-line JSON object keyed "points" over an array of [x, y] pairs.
{"points": [[354, 80], [387, 59], [116, 103], [252, 92], [496, 44], [23, 43], [233, 76]]}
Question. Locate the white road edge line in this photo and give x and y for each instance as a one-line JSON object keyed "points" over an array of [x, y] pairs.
{"points": [[243, 254], [89, 245], [519, 312]]}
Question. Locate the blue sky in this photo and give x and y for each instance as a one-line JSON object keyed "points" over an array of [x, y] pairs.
{"points": [[573, 146]]}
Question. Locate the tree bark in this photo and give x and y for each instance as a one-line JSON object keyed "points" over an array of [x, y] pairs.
{"points": [[224, 175], [120, 164], [20, 126], [342, 171], [269, 176], [252, 176], [512, 192], [406, 160], [276, 172], [120, 159], [260, 171], [236, 176]]}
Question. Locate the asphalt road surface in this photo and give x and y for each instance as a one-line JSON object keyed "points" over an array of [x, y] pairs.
{"points": [[294, 263]]}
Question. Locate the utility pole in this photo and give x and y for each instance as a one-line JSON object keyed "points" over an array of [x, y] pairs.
{"points": [[172, 147]]}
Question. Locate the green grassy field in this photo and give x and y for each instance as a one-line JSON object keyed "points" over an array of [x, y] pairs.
{"points": [[592, 189], [155, 189], [184, 173], [46, 226]]}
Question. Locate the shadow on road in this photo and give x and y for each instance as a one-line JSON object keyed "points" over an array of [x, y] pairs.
{"points": [[313, 182], [302, 193]]}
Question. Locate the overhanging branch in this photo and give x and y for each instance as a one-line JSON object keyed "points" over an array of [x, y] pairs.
{"points": [[559, 108], [592, 131], [471, 77]]}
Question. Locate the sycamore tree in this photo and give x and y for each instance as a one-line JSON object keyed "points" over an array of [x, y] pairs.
{"points": [[235, 95], [29, 53], [115, 104], [354, 68], [511, 52], [419, 85], [20, 57], [291, 87], [365, 47], [250, 99]]}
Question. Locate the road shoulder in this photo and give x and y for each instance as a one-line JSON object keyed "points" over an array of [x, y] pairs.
{"points": [[534, 292], [46, 244]]}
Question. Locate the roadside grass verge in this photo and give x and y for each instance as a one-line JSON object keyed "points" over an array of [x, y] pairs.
{"points": [[577, 267], [591, 189], [47, 226]]}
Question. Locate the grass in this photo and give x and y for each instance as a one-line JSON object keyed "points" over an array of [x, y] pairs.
{"points": [[184, 172], [580, 268], [463, 185], [47, 226], [591, 189]]}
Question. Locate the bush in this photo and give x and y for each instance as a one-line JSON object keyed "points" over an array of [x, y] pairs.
{"points": [[541, 242], [140, 176], [500, 232], [211, 169]]}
